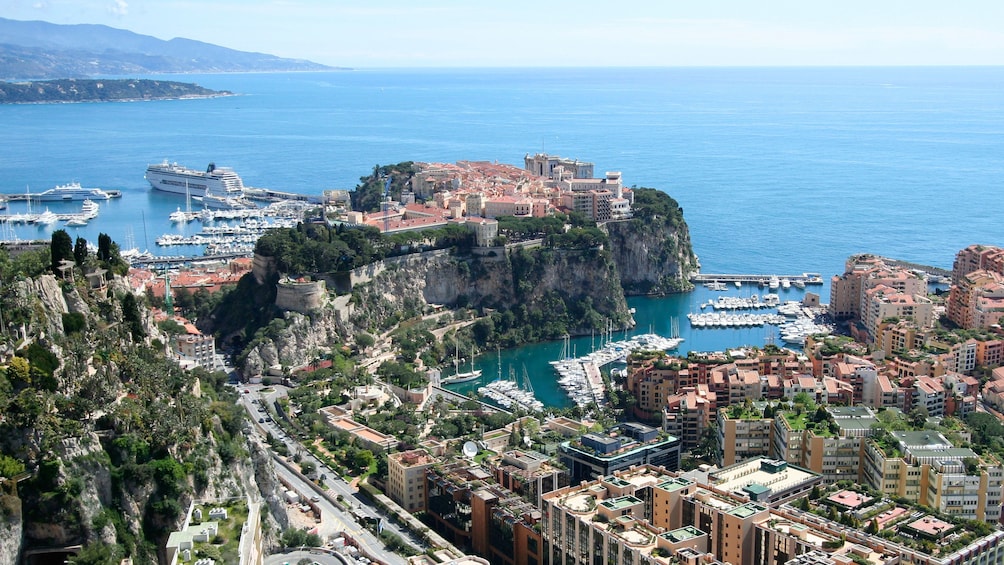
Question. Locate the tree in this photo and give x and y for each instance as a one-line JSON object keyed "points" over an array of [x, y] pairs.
{"points": [[295, 537], [80, 251], [805, 401], [307, 467], [364, 340], [10, 467], [104, 247], [60, 249], [918, 417], [131, 317]]}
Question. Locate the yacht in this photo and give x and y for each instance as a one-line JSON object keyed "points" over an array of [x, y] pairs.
{"points": [[47, 217], [68, 192], [180, 216], [89, 209], [459, 377], [773, 283], [76, 222]]}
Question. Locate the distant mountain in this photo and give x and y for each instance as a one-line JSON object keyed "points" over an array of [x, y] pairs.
{"points": [[41, 50]]}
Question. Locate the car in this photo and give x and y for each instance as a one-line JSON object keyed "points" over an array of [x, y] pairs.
{"points": [[246, 391], [261, 420], [315, 498]]}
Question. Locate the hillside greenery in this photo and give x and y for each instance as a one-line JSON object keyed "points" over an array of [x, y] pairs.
{"points": [[101, 399], [100, 90]]}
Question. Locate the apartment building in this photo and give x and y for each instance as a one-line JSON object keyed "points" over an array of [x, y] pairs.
{"points": [[406, 478], [527, 473], [849, 297], [649, 516], [977, 300], [830, 447], [688, 413], [743, 433], [470, 511], [924, 467], [883, 302], [765, 481], [976, 258]]}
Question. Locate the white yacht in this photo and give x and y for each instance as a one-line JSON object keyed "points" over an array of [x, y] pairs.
{"points": [[47, 217], [68, 192]]}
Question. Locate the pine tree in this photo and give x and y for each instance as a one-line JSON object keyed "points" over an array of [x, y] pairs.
{"points": [[60, 249], [80, 251]]}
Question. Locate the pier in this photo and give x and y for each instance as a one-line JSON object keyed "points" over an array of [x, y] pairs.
{"points": [[759, 280]]}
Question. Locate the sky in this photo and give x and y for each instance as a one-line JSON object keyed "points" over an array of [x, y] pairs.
{"points": [[563, 33]]}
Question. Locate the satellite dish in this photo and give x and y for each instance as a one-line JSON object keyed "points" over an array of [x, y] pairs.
{"points": [[528, 441], [470, 449]]}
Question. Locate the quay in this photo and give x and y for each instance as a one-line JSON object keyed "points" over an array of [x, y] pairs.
{"points": [[269, 195], [760, 280], [154, 262], [945, 274]]}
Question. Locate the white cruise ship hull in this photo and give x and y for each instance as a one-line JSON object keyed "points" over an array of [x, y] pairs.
{"points": [[176, 179]]}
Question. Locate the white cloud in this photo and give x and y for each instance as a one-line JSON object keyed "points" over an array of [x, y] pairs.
{"points": [[119, 8]]}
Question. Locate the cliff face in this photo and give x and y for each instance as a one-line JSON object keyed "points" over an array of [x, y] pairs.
{"points": [[653, 251], [114, 439], [581, 288]]}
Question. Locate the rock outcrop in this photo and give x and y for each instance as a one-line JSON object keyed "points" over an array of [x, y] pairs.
{"points": [[403, 287], [653, 251]]}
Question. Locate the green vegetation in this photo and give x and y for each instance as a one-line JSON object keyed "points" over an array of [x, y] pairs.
{"points": [[369, 193], [295, 537], [103, 90], [124, 411]]}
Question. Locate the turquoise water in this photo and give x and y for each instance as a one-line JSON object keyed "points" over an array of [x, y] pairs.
{"points": [[781, 170]]}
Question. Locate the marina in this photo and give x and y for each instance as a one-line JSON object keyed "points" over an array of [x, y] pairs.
{"points": [[580, 377], [88, 211]]}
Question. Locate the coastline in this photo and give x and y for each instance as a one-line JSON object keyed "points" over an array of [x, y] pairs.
{"points": [[143, 99]]}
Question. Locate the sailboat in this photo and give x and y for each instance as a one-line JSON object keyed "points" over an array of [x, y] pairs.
{"points": [[187, 216], [459, 377]]}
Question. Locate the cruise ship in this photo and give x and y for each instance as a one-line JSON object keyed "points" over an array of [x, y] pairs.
{"points": [[176, 179], [69, 192]]}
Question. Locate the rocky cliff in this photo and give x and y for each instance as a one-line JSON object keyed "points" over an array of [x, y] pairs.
{"points": [[110, 440], [653, 251], [568, 291]]}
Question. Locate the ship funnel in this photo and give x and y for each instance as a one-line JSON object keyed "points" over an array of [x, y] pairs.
{"points": [[211, 167]]}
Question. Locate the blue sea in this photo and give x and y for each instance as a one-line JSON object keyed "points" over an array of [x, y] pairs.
{"points": [[778, 170]]}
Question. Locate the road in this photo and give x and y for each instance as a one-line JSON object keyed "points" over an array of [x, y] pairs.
{"points": [[335, 518]]}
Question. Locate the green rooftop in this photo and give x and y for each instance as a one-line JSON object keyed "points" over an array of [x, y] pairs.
{"points": [[675, 484], [620, 503], [756, 489], [681, 534], [746, 510]]}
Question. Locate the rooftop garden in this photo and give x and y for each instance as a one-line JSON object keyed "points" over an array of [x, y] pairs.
{"points": [[745, 411], [868, 519], [224, 546], [806, 415]]}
